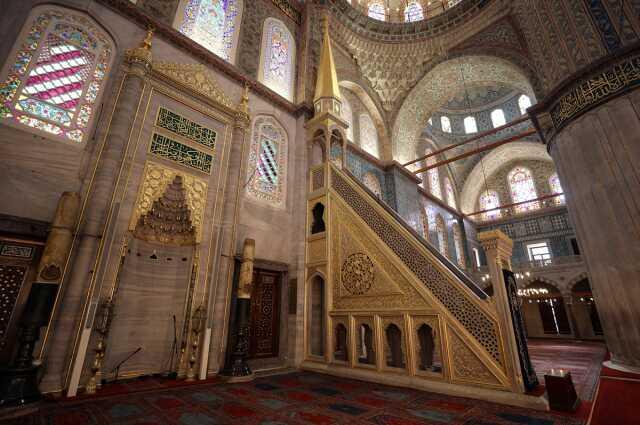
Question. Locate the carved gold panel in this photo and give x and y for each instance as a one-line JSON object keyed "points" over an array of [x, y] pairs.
{"points": [[363, 276], [316, 251], [155, 179], [466, 366]]}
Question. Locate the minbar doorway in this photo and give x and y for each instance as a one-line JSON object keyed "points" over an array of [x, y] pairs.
{"points": [[265, 314]]}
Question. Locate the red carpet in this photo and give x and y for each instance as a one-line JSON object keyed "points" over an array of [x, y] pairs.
{"points": [[297, 398], [582, 358], [618, 399]]}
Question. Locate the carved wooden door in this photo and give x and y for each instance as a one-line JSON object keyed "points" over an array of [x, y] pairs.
{"points": [[265, 309], [18, 262]]}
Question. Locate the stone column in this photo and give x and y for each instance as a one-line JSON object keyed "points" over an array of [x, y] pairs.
{"points": [[498, 248], [94, 227], [238, 370], [597, 157], [219, 301], [568, 306], [19, 382]]}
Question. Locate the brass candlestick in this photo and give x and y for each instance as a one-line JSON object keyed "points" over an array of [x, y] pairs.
{"points": [[197, 322]]}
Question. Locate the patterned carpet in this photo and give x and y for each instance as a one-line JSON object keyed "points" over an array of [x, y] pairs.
{"points": [[295, 398], [582, 358]]}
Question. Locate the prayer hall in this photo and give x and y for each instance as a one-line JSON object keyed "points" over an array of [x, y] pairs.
{"points": [[319, 212]]}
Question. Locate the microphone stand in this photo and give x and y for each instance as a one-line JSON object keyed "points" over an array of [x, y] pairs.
{"points": [[117, 368]]}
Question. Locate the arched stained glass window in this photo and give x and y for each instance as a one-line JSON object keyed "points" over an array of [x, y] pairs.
{"points": [[267, 161], [451, 196], [489, 200], [413, 12], [556, 187], [523, 189], [497, 118], [368, 135], [433, 176], [372, 182], [445, 123], [442, 235], [278, 58], [425, 222], [57, 76], [470, 125], [347, 115], [524, 102], [214, 24], [457, 241], [376, 11]]}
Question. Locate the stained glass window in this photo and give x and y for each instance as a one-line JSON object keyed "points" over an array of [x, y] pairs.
{"points": [[368, 135], [556, 187], [431, 217], [445, 122], [497, 118], [214, 24], [524, 102], [376, 11], [470, 125], [425, 223], [442, 235], [433, 176], [373, 184], [413, 12], [451, 196], [458, 245], [347, 115], [278, 58], [267, 162], [57, 76], [488, 201], [523, 188]]}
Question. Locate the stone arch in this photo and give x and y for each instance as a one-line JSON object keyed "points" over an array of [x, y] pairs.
{"points": [[384, 143], [533, 279], [492, 162], [439, 84], [576, 279]]}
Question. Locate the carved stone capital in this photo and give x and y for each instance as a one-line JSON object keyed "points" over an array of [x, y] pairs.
{"points": [[496, 244]]}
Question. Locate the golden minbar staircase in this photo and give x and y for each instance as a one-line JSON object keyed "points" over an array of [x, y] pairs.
{"points": [[381, 301]]}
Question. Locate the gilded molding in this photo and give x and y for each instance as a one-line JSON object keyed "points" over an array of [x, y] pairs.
{"points": [[155, 180], [195, 76], [595, 89]]}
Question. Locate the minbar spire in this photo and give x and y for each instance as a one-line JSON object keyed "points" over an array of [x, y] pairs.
{"points": [[327, 96]]}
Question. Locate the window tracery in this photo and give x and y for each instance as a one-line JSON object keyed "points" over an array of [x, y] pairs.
{"points": [[214, 24], [497, 118], [451, 196], [376, 10], [433, 176], [524, 102], [278, 58], [458, 245], [556, 187], [470, 125], [413, 12], [368, 135], [488, 201], [347, 115], [442, 235], [523, 189], [267, 161], [58, 75], [445, 123]]}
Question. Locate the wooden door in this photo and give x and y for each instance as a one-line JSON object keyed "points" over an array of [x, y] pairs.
{"points": [[265, 314]]}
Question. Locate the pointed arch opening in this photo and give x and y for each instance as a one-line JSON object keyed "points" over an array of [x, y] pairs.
{"points": [[267, 170], [55, 77], [278, 57], [214, 24]]}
